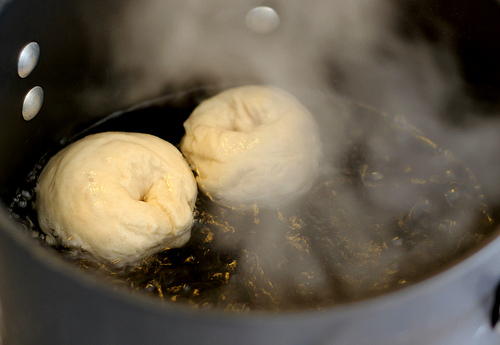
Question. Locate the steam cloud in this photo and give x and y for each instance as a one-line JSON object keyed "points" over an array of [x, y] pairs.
{"points": [[328, 54]]}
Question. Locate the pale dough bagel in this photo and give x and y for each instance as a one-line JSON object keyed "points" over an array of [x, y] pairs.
{"points": [[118, 196], [253, 145]]}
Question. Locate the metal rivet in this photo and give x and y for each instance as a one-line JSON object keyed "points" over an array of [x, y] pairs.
{"points": [[32, 103], [262, 19], [28, 58]]}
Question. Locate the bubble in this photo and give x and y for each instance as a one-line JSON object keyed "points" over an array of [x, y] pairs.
{"points": [[370, 178], [50, 240], [452, 195], [450, 174], [27, 194], [423, 206], [22, 203], [397, 241]]}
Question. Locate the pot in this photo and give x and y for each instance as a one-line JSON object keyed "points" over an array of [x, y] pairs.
{"points": [[82, 63]]}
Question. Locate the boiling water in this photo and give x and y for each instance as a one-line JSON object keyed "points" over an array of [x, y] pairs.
{"points": [[375, 221]]}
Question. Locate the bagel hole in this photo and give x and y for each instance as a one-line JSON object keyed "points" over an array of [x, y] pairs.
{"points": [[246, 119], [144, 197]]}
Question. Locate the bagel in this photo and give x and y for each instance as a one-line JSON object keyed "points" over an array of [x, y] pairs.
{"points": [[253, 145], [117, 196]]}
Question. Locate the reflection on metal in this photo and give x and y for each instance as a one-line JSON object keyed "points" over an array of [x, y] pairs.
{"points": [[28, 59], [262, 19], [32, 103]]}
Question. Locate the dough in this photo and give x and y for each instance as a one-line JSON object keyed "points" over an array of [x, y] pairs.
{"points": [[253, 145], [118, 196]]}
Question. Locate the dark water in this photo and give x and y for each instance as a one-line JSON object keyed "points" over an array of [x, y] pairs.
{"points": [[375, 221]]}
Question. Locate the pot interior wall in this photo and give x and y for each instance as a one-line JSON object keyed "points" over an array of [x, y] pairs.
{"points": [[89, 65], [66, 68], [84, 80]]}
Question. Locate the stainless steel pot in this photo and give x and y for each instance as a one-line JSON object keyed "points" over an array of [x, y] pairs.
{"points": [[45, 300]]}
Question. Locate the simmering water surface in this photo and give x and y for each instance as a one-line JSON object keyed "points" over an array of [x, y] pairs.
{"points": [[376, 220]]}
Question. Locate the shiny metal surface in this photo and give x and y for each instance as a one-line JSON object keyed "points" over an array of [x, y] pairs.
{"points": [[262, 19], [46, 301], [28, 59], [32, 103]]}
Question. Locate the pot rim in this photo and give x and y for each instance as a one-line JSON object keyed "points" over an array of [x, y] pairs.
{"points": [[477, 257]]}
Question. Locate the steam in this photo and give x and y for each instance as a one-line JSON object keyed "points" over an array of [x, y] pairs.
{"points": [[155, 44], [332, 55]]}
